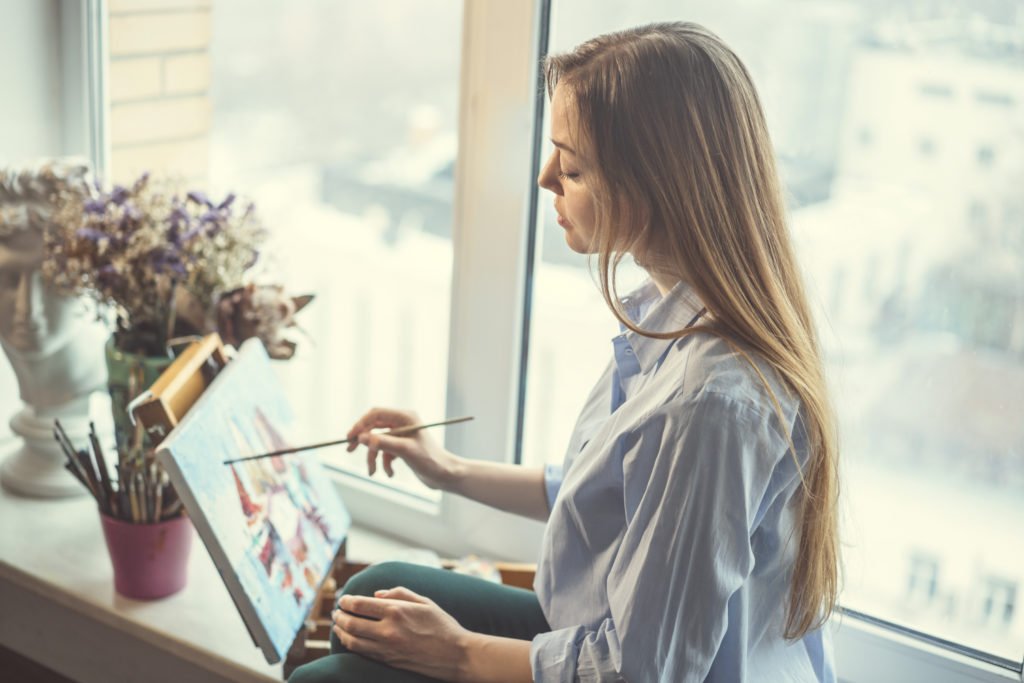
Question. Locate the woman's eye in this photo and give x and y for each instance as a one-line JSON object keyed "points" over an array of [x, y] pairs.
{"points": [[568, 176]]}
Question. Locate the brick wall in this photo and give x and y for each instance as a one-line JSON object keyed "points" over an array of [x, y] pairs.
{"points": [[160, 88]]}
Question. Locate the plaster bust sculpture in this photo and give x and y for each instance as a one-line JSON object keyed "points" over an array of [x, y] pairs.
{"points": [[54, 345]]}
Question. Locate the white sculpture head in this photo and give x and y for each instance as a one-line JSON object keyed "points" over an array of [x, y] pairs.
{"points": [[34, 321], [39, 329]]}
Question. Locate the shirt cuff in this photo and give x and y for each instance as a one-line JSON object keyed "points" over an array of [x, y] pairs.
{"points": [[552, 482], [553, 655]]}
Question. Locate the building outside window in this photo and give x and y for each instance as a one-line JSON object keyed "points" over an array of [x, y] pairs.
{"points": [[922, 316]]}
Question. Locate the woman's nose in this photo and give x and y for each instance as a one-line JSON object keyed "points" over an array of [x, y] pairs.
{"points": [[548, 178]]}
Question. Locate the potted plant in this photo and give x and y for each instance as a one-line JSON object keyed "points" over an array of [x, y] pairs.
{"points": [[165, 265]]}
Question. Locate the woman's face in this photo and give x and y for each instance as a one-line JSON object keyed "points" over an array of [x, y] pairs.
{"points": [[566, 176]]}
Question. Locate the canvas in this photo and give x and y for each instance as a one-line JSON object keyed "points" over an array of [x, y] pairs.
{"points": [[273, 525]]}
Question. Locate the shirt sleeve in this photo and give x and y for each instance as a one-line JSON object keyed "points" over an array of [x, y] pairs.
{"points": [[694, 475], [552, 482]]}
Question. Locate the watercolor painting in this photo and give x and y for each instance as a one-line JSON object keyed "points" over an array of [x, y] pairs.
{"points": [[273, 526]]}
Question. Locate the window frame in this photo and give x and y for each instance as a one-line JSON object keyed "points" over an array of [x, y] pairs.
{"points": [[493, 256], [491, 238], [84, 93]]}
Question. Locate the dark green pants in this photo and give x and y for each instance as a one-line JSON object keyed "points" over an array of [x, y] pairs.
{"points": [[478, 605]]}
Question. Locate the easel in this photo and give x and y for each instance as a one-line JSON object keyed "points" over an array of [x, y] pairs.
{"points": [[160, 408], [163, 405]]}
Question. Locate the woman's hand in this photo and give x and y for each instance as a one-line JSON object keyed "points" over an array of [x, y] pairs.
{"points": [[431, 463], [403, 630]]}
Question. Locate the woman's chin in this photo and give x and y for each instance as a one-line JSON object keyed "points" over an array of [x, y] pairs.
{"points": [[573, 241]]}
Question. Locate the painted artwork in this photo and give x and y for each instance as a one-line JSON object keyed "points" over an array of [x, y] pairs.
{"points": [[274, 525]]}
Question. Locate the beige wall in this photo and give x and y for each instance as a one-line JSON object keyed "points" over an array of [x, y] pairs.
{"points": [[160, 88], [30, 81]]}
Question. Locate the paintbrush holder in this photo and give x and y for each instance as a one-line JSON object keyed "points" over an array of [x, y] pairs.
{"points": [[150, 561]]}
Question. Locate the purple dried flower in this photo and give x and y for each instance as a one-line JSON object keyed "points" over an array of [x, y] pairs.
{"points": [[163, 260], [200, 198], [131, 216], [132, 242], [119, 195], [177, 219], [140, 183], [192, 234], [91, 234], [94, 206]]}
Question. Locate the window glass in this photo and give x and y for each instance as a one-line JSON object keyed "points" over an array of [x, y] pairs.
{"points": [[899, 132], [339, 120]]}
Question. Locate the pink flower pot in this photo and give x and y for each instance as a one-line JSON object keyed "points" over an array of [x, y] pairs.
{"points": [[150, 560]]}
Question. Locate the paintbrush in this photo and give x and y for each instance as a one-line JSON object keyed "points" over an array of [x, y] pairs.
{"points": [[399, 431]]}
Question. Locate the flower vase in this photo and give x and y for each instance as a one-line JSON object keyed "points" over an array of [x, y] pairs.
{"points": [[128, 375]]}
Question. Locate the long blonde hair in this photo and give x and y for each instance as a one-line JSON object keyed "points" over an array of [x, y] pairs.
{"points": [[685, 180]]}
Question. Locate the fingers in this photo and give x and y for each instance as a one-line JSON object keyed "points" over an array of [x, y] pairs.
{"points": [[360, 627], [379, 417], [397, 445], [364, 606], [371, 461], [390, 446], [354, 643], [402, 593]]}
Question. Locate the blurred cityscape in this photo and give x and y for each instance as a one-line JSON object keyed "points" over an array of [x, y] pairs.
{"points": [[899, 129]]}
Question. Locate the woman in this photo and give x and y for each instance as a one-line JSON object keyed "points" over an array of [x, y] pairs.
{"points": [[692, 529]]}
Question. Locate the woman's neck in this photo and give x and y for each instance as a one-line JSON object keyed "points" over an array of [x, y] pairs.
{"points": [[663, 281]]}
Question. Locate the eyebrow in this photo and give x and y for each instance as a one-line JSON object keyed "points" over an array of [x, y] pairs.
{"points": [[562, 145]]}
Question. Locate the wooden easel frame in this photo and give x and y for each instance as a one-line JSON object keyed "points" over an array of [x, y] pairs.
{"points": [[164, 404]]}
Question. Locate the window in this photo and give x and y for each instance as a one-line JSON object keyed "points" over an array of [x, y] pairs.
{"points": [[926, 147], [923, 583], [999, 602], [923, 429], [339, 119], [986, 156], [999, 99], [349, 159], [929, 416], [936, 90]]}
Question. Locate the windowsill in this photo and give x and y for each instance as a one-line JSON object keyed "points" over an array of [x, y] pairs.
{"points": [[60, 608]]}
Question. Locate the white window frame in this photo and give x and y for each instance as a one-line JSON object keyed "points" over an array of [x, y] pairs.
{"points": [[84, 93], [877, 653], [493, 179]]}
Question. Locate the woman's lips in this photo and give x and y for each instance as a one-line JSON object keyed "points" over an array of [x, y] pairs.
{"points": [[563, 221]]}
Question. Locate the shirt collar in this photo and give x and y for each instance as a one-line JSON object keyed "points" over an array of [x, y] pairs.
{"points": [[649, 310]]}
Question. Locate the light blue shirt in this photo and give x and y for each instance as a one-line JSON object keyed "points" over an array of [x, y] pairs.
{"points": [[671, 541]]}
